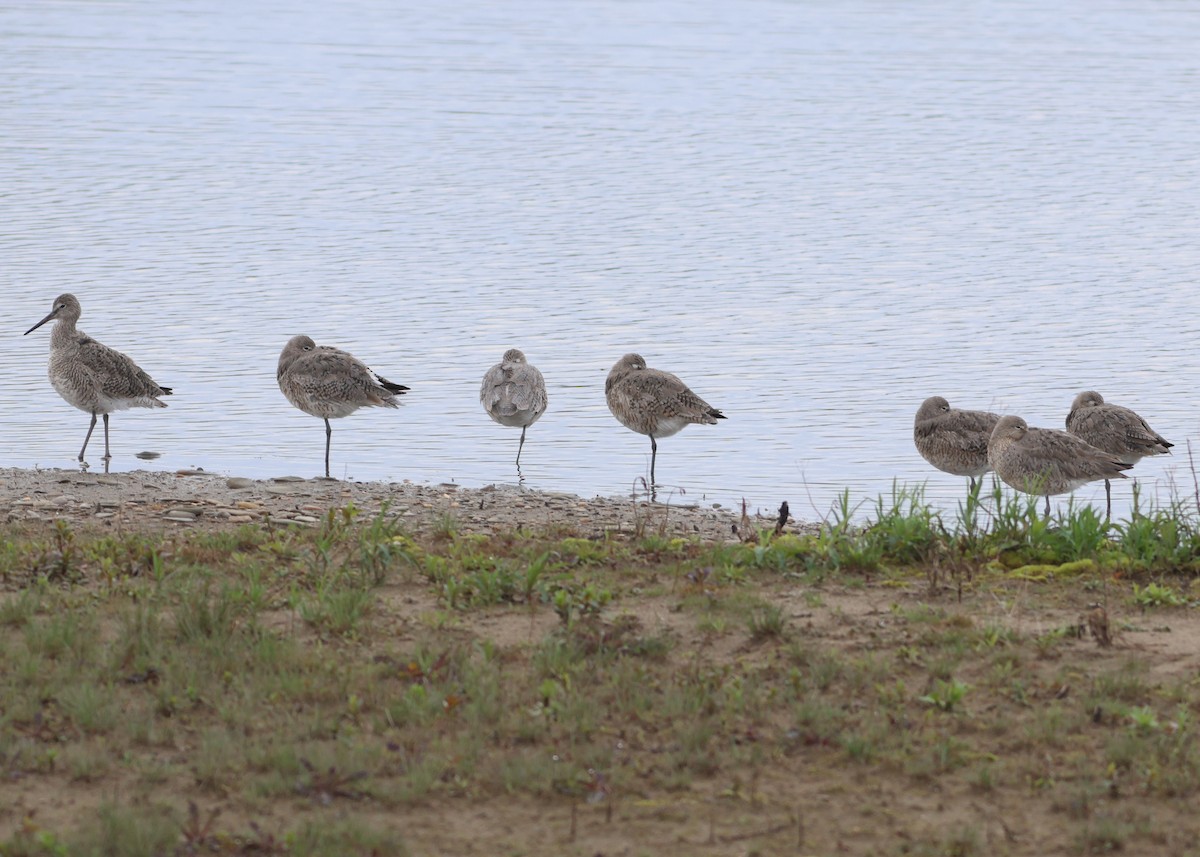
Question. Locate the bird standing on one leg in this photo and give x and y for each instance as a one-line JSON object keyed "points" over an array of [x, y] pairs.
{"points": [[1047, 461], [654, 403], [953, 440], [92, 376], [1115, 430], [329, 383], [513, 393]]}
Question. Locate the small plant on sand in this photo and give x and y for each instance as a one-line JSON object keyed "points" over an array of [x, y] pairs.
{"points": [[767, 622], [1155, 595], [946, 695], [906, 528], [1143, 719]]}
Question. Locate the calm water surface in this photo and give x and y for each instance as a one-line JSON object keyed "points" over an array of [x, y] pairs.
{"points": [[816, 213]]}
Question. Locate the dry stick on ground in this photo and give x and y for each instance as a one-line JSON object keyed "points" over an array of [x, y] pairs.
{"points": [[745, 530], [324, 786], [754, 834]]}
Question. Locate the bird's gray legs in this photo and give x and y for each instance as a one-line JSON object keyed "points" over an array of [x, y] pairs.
{"points": [[1047, 505], [653, 456], [1108, 499], [328, 437], [89, 435], [521, 444], [107, 454]]}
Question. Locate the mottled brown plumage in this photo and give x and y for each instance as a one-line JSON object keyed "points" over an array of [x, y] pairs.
{"points": [[513, 393], [1046, 461], [953, 440], [330, 383], [91, 376], [653, 402], [1114, 429]]}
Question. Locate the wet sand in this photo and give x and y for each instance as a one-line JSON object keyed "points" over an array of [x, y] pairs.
{"points": [[155, 500]]}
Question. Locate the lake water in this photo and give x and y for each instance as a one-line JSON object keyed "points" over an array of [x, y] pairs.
{"points": [[817, 214]]}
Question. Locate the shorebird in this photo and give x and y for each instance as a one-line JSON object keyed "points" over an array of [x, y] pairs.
{"points": [[1047, 461], [954, 441], [514, 394], [328, 383], [654, 403], [1115, 430], [94, 377]]}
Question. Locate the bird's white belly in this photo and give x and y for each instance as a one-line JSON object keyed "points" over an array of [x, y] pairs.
{"points": [[95, 401], [519, 419], [667, 426]]}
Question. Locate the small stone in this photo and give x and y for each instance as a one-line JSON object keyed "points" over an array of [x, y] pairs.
{"points": [[239, 482], [180, 517], [247, 504], [305, 519]]}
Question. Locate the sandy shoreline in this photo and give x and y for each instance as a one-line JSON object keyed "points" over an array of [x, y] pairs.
{"points": [[156, 500]]}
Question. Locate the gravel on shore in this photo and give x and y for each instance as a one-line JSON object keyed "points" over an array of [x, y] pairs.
{"points": [[155, 500]]}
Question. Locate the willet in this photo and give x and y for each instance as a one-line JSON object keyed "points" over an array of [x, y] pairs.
{"points": [[94, 377], [328, 383], [514, 394], [1047, 461], [1115, 430], [952, 440], [654, 403]]}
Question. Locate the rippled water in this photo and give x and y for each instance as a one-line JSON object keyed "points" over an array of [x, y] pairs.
{"points": [[817, 214]]}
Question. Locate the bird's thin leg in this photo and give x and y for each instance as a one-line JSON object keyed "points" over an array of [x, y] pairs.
{"points": [[1108, 499], [972, 478], [107, 454], [89, 436], [1047, 505], [521, 444], [328, 437], [653, 456]]}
